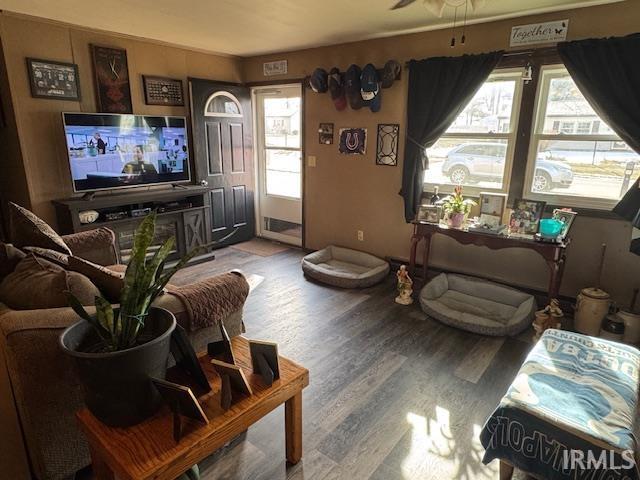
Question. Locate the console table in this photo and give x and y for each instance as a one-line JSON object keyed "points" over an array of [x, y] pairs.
{"points": [[553, 253], [148, 451]]}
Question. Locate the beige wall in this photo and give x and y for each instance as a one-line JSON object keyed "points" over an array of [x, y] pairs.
{"points": [[345, 194], [39, 123]]}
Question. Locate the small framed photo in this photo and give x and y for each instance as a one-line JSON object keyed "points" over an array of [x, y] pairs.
{"points": [[325, 134], [429, 214], [49, 79], [566, 216], [162, 91], [492, 207], [525, 216]]}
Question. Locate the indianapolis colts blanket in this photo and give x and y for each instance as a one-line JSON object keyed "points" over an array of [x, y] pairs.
{"points": [[570, 412]]}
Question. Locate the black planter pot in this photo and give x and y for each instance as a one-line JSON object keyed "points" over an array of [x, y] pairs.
{"points": [[116, 385]]}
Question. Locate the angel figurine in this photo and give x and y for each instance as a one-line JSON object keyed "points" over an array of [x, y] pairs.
{"points": [[405, 285]]}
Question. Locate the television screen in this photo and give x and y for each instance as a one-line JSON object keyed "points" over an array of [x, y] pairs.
{"points": [[115, 151]]}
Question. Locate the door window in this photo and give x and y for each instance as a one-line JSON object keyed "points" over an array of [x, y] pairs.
{"points": [[223, 104]]}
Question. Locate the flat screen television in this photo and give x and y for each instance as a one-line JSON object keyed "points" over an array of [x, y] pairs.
{"points": [[109, 151]]}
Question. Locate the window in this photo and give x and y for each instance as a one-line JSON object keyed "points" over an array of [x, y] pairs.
{"points": [[477, 150], [575, 158], [223, 104]]}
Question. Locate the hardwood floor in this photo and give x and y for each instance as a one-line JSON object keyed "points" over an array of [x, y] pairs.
{"points": [[394, 395]]}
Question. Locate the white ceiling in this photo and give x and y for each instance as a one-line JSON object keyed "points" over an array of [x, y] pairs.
{"points": [[252, 27]]}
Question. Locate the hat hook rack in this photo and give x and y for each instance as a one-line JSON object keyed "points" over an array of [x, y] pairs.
{"points": [[342, 77]]}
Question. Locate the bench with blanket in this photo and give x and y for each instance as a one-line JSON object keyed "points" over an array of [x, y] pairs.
{"points": [[574, 398]]}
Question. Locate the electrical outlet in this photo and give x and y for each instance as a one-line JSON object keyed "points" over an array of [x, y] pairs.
{"points": [[360, 236], [311, 160]]}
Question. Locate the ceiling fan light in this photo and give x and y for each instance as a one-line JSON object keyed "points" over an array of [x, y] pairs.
{"points": [[435, 6]]}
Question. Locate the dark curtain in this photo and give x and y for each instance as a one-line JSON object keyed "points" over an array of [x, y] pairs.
{"points": [[607, 72], [439, 89]]}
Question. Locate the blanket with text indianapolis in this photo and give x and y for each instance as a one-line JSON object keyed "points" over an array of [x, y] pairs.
{"points": [[570, 412]]}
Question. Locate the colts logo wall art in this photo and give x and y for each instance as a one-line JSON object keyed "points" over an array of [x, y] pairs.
{"points": [[353, 141]]}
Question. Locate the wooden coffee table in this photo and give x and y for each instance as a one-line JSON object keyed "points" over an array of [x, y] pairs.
{"points": [[148, 450]]}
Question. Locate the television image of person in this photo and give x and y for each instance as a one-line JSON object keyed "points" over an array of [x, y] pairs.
{"points": [[99, 143], [139, 166]]}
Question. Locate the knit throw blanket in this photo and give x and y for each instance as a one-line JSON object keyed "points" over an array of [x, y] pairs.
{"points": [[210, 301]]}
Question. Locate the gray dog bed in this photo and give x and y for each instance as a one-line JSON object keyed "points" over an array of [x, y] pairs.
{"points": [[343, 267], [477, 305]]}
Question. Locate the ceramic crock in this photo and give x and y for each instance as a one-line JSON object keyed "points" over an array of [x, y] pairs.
{"points": [[592, 306], [631, 327]]}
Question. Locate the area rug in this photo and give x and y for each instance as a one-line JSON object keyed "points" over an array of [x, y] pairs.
{"points": [[259, 246]]}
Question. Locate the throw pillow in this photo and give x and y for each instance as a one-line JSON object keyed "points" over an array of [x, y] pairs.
{"points": [[110, 283], [9, 258], [37, 283], [53, 256], [28, 230]]}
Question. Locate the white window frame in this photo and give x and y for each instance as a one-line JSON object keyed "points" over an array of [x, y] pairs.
{"points": [[499, 74], [547, 73]]}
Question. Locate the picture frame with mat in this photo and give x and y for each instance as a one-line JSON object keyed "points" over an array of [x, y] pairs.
{"points": [[264, 360]]}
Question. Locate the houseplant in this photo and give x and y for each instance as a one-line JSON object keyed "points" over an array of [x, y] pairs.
{"points": [[118, 349], [456, 207]]}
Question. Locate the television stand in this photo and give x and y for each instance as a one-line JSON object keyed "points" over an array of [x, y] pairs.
{"points": [[183, 213]]}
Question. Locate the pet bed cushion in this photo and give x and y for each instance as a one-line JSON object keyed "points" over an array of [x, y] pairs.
{"points": [[343, 267], [477, 305]]}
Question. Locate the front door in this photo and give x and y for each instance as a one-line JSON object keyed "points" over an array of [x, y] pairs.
{"points": [[279, 156], [222, 143]]}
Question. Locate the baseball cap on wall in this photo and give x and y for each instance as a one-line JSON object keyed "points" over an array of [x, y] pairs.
{"points": [[352, 87], [318, 80], [370, 87], [337, 90], [390, 72]]}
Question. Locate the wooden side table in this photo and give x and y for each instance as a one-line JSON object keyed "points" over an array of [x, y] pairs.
{"points": [[148, 450], [554, 254]]}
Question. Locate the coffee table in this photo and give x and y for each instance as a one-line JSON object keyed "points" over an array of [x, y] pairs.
{"points": [[148, 450]]}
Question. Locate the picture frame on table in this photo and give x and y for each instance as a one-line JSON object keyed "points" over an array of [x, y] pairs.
{"points": [[492, 206], [525, 216], [429, 214], [566, 216]]}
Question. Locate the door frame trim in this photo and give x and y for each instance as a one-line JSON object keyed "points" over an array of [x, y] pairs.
{"points": [[254, 115]]}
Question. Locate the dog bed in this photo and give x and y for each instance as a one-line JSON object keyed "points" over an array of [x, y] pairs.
{"points": [[345, 268], [477, 305]]}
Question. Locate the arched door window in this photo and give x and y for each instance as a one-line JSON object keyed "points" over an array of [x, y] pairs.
{"points": [[223, 104]]}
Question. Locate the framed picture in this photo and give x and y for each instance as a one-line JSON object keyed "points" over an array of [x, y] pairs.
{"points": [[566, 216], [325, 134], [429, 213], [49, 79], [112, 79], [162, 91], [525, 216], [387, 146], [492, 207], [353, 141]]}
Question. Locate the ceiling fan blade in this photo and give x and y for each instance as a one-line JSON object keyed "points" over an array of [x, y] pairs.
{"points": [[402, 4], [435, 6]]}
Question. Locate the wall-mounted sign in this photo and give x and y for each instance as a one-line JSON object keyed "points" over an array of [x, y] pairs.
{"points": [[112, 79], [279, 67], [546, 32], [51, 79], [162, 91]]}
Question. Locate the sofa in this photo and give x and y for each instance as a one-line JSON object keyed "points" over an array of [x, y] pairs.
{"points": [[38, 382]]}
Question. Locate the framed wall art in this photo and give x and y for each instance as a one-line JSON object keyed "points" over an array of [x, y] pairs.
{"points": [[49, 79], [525, 216], [387, 146], [325, 134], [162, 91], [353, 141], [112, 79]]}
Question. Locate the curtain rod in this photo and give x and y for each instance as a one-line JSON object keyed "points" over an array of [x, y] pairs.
{"points": [[517, 53]]}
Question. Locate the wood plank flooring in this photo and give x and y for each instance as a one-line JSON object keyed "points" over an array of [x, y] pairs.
{"points": [[394, 395]]}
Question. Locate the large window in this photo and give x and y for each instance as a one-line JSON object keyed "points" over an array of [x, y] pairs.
{"points": [[575, 159], [477, 150]]}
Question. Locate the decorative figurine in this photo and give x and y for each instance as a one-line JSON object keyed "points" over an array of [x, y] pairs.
{"points": [[549, 317], [404, 286]]}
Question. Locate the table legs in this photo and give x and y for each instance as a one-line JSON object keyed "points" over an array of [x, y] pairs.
{"points": [[415, 240], [425, 257], [293, 428], [506, 471], [556, 269], [101, 470]]}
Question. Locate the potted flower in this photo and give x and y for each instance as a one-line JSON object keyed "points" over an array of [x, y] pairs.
{"points": [[117, 350], [456, 207]]}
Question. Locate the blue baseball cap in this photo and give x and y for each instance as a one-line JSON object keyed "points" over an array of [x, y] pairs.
{"points": [[318, 80], [370, 87]]}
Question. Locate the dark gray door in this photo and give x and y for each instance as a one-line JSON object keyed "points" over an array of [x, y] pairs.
{"points": [[222, 143]]}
